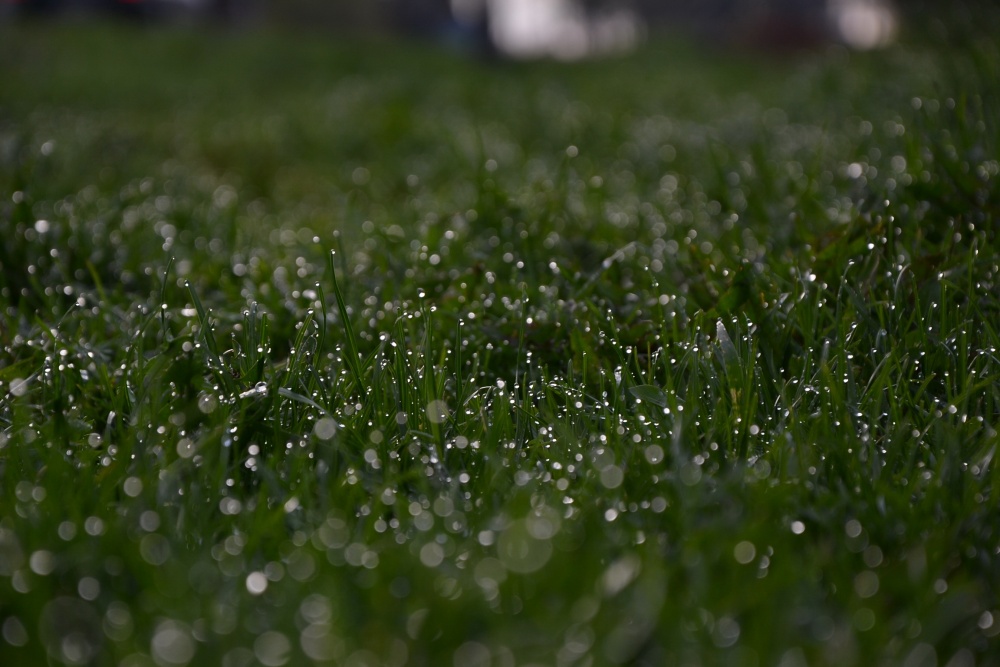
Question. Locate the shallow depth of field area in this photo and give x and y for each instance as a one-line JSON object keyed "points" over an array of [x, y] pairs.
{"points": [[334, 352]]}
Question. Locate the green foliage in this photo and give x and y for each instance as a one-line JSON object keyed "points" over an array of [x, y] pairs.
{"points": [[360, 354]]}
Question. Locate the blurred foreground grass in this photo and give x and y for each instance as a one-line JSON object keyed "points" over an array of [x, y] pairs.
{"points": [[363, 354]]}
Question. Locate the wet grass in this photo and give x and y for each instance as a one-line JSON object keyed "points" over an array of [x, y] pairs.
{"points": [[363, 354]]}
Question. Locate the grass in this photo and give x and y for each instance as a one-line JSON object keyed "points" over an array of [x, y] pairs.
{"points": [[363, 354]]}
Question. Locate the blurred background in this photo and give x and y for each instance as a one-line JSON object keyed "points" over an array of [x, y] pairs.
{"points": [[561, 29]]}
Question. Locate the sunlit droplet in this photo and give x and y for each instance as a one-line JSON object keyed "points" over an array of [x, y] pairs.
{"points": [[256, 583]]}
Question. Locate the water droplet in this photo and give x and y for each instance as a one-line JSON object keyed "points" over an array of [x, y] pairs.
{"points": [[437, 411], [256, 583], [431, 554], [18, 386], [325, 428], [866, 584], [14, 632], [207, 403], [260, 389], [172, 644], [620, 574], [42, 562], [654, 454], [744, 552], [612, 477], [520, 551]]}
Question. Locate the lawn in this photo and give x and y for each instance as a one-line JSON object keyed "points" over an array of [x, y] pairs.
{"points": [[357, 352]]}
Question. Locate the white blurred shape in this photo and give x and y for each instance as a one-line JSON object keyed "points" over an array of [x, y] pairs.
{"points": [[555, 28], [864, 24]]}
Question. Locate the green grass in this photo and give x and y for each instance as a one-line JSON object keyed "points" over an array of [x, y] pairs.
{"points": [[362, 354]]}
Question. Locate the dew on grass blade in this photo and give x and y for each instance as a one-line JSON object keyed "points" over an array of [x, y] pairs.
{"points": [[649, 394], [19, 386], [186, 448], [207, 403], [259, 389], [654, 454], [437, 411]]}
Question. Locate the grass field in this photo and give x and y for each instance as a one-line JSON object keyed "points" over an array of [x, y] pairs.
{"points": [[338, 353]]}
